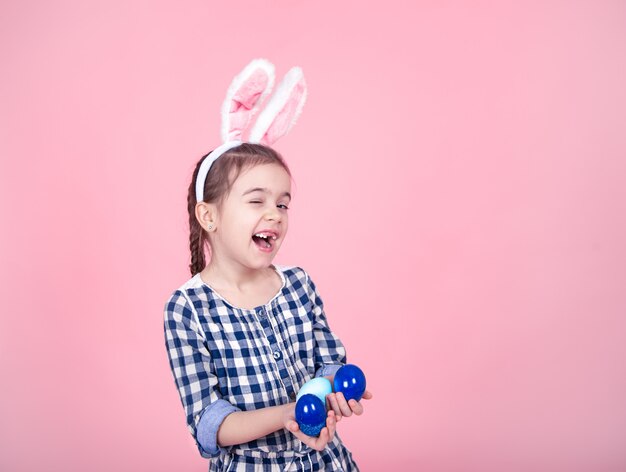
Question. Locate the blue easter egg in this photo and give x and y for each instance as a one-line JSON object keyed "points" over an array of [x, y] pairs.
{"points": [[310, 414], [320, 387], [350, 380]]}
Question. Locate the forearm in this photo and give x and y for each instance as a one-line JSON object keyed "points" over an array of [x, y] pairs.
{"points": [[244, 426]]}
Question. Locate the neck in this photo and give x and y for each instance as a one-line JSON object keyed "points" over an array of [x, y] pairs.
{"points": [[232, 276]]}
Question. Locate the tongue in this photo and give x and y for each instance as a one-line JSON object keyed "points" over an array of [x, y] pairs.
{"points": [[261, 242]]}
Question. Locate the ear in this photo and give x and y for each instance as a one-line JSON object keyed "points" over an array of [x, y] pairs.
{"points": [[246, 92], [282, 109], [206, 214]]}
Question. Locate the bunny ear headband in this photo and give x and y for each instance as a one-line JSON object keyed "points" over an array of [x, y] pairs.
{"points": [[244, 100]]}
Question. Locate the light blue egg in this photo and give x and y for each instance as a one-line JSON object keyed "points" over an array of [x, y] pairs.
{"points": [[320, 387]]}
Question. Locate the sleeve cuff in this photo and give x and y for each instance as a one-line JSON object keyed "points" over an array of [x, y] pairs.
{"points": [[327, 370], [210, 421]]}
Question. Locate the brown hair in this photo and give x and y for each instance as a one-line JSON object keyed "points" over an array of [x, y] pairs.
{"points": [[217, 186]]}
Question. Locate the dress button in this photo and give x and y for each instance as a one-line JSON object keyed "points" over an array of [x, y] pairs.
{"points": [[293, 396], [277, 355]]}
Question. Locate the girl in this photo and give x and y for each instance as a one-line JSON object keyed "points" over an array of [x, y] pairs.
{"points": [[243, 335]]}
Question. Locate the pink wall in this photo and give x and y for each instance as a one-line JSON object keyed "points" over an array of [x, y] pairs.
{"points": [[460, 173]]}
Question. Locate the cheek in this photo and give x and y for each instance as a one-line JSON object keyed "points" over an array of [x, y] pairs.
{"points": [[247, 217]]}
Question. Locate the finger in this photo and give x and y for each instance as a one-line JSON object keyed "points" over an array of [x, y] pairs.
{"points": [[344, 408], [331, 424], [319, 444], [308, 440], [367, 395], [334, 405], [356, 407]]}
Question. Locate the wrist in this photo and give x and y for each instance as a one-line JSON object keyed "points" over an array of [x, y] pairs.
{"points": [[288, 413]]}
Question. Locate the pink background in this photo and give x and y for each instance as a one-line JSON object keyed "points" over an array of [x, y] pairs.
{"points": [[459, 201]]}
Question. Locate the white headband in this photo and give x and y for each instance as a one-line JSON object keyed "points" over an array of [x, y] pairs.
{"points": [[206, 166], [243, 102]]}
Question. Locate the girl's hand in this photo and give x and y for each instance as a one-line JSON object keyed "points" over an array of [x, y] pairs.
{"points": [[326, 434], [337, 403]]}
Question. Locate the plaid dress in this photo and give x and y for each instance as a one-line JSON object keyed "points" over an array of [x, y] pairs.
{"points": [[227, 359]]}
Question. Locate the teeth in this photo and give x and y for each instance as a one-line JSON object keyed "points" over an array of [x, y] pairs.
{"points": [[265, 236]]}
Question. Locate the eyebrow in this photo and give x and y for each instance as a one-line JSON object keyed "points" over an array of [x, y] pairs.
{"points": [[265, 190]]}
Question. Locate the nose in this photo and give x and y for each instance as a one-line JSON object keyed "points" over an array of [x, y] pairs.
{"points": [[272, 214]]}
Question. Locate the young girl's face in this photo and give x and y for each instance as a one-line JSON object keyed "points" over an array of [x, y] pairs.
{"points": [[252, 221]]}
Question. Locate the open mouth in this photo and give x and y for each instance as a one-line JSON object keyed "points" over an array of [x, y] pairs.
{"points": [[264, 241]]}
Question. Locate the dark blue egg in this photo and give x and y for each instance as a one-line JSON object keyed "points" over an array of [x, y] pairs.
{"points": [[310, 414], [350, 380]]}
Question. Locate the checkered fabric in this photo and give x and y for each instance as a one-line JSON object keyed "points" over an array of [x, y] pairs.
{"points": [[225, 358]]}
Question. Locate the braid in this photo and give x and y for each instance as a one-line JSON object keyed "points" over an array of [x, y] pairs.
{"points": [[196, 243], [196, 234]]}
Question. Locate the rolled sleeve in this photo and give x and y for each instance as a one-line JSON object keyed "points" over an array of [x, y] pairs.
{"points": [[329, 351], [190, 361], [328, 370], [210, 421]]}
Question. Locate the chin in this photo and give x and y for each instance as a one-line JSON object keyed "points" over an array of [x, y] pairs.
{"points": [[258, 265]]}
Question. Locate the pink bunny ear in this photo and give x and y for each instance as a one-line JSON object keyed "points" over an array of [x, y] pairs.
{"points": [[246, 92], [282, 109]]}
